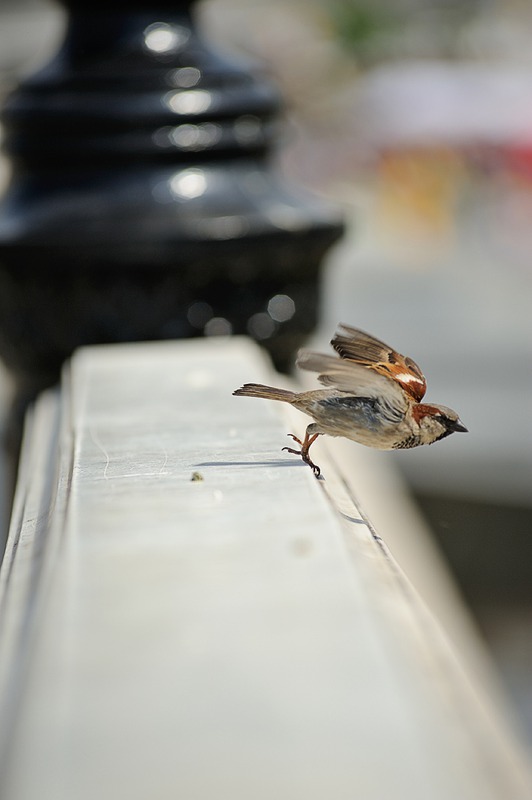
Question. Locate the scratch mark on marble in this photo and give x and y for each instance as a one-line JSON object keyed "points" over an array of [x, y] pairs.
{"points": [[100, 446]]}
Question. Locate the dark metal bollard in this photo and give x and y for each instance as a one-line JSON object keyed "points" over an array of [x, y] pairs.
{"points": [[142, 204]]}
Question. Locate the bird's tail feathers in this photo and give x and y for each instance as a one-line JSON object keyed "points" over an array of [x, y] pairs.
{"points": [[269, 392]]}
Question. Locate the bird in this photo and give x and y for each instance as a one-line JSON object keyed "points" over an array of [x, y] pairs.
{"points": [[373, 396]]}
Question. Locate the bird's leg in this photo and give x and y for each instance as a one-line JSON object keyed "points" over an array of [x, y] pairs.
{"points": [[305, 456], [305, 447]]}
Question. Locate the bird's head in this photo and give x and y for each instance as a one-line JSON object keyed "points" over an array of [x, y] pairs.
{"points": [[436, 422]]}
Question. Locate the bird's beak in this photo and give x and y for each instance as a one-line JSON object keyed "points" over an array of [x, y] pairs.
{"points": [[459, 427]]}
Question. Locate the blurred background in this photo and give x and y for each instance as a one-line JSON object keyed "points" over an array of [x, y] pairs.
{"points": [[416, 118]]}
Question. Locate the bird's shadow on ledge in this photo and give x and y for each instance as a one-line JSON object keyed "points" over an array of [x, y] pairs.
{"points": [[276, 463]]}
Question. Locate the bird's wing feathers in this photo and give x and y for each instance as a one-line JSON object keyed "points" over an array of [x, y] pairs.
{"points": [[357, 347], [356, 344], [348, 376], [366, 367]]}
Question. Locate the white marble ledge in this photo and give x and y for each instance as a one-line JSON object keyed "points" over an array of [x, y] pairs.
{"points": [[243, 634]]}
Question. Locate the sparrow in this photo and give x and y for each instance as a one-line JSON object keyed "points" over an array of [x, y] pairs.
{"points": [[373, 396]]}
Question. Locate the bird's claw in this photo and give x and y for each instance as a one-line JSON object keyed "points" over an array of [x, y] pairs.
{"points": [[291, 450], [304, 455], [314, 467], [294, 437]]}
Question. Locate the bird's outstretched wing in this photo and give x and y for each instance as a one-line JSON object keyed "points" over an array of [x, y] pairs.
{"points": [[366, 367], [360, 347]]}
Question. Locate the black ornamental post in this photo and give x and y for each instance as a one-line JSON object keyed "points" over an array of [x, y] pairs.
{"points": [[143, 204]]}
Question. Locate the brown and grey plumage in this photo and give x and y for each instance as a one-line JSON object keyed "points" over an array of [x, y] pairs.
{"points": [[373, 397]]}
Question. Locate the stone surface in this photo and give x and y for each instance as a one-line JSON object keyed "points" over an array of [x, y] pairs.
{"points": [[188, 612]]}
